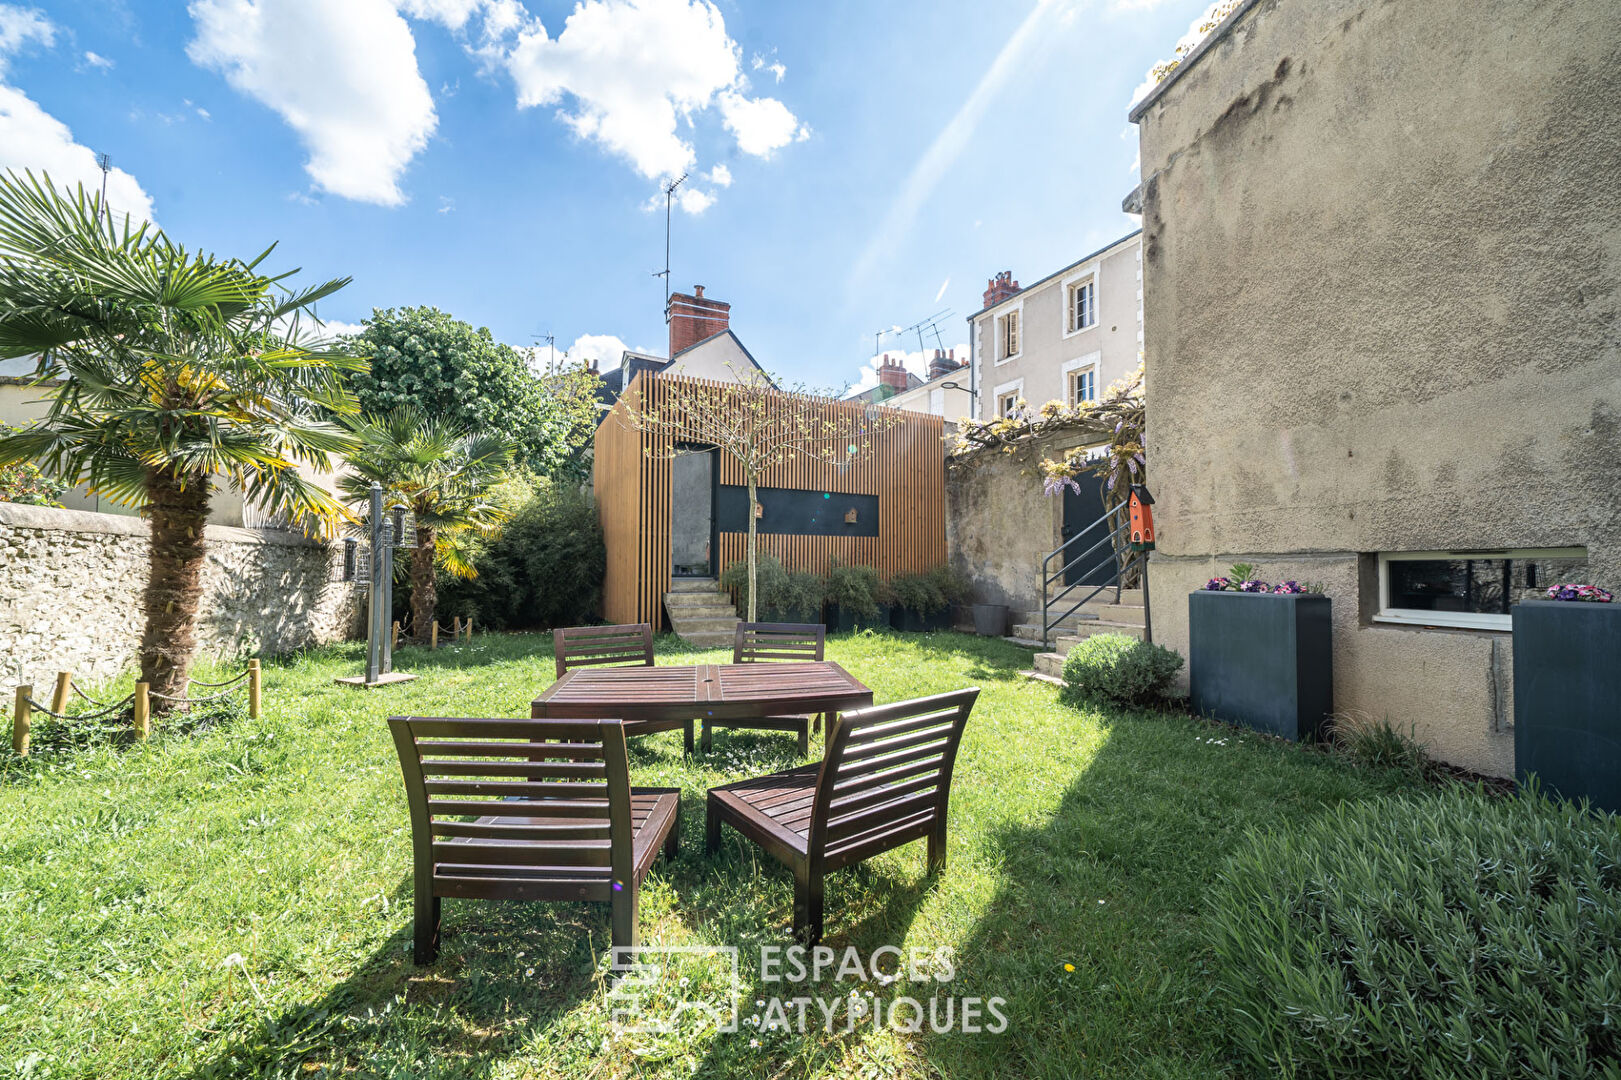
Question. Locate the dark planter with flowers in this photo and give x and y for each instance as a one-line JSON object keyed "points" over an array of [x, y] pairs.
{"points": [[1567, 697], [1262, 659]]}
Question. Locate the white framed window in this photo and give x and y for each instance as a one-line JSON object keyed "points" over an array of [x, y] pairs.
{"points": [[1008, 398], [1009, 334], [1471, 589], [1081, 378], [1080, 292]]}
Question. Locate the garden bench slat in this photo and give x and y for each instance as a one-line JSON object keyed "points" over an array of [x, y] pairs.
{"points": [[885, 781], [584, 646], [575, 838]]}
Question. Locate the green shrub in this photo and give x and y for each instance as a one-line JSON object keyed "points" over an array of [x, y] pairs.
{"points": [[771, 578], [1118, 668], [1444, 936], [952, 583], [544, 570], [855, 589], [23, 482], [802, 597], [917, 592], [1374, 744]]}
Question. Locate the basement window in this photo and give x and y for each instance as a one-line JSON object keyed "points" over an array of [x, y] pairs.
{"points": [[1470, 589]]}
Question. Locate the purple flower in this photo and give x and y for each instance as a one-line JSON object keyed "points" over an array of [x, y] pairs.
{"points": [[1217, 584], [1591, 594], [1288, 588], [1254, 586]]}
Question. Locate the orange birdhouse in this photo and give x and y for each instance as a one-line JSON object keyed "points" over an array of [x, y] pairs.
{"points": [[1142, 518]]}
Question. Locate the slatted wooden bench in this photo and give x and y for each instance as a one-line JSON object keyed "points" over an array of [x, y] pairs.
{"points": [[884, 782], [528, 810], [757, 642], [584, 646]]}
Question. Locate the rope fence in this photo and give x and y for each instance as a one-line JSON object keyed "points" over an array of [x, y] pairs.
{"points": [[25, 706], [457, 631]]}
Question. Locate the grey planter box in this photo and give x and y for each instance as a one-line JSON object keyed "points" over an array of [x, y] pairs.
{"points": [[1567, 698], [1262, 660]]}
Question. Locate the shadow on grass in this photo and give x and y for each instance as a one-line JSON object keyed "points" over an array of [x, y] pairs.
{"points": [[505, 975]]}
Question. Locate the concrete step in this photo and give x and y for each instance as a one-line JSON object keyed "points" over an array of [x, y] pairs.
{"points": [[694, 585], [698, 602], [1050, 664], [1031, 631], [708, 624], [1067, 642], [1121, 613], [1024, 642]]}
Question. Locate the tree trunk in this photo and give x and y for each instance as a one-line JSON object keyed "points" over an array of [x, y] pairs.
{"points": [[174, 585], [424, 595], [754, 509]]}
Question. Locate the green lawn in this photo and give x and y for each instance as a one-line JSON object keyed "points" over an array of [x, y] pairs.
{"points": [[131, 878]]}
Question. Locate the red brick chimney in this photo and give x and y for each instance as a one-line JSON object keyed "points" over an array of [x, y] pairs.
{"points": [[892, 373], [693, 317], [944, 363], [999, 288]]}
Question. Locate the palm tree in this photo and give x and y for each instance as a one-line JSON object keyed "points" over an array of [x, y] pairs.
{"points": [[443, 474], [177, 370]]}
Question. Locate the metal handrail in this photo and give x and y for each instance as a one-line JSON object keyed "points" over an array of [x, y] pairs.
{"points": [[1049, 576]]}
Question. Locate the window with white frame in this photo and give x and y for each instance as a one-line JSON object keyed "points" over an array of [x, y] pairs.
{"points": [[1083, 304], [1472, 589], [1007, 335], [1007, 404], [1083, 385]]}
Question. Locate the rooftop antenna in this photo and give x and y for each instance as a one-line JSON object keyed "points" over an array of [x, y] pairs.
{"points": [[551, 343], [878, 335], [104, 162], [669, 198], [931, 324]]}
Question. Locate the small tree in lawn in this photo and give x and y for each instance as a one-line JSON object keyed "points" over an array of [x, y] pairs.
{"points": [[444, 475], [756, 425]]}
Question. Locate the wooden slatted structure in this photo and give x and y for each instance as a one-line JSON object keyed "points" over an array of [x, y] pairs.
{"points": [[904, 468], [528, 810], [767, 642], [588, 646], [885, 781]]}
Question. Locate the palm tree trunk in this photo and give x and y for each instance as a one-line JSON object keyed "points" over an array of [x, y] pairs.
{"points": [[178, 512], [424, 595]]}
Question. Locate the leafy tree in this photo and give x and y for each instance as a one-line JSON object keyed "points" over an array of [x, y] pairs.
{"points": [[423, 357], [444, 475], [23, 482], [178, 370]]}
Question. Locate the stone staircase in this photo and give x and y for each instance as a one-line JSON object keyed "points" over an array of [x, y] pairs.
{"points": [[700, 612], [1099, 616]]}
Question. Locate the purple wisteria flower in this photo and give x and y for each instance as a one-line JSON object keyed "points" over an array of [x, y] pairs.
{"points": [[1591, 594]]}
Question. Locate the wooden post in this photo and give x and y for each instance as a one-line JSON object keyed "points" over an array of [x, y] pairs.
{"points": [[22, 719], [394, 642], [256, 687], [469, 629], [59, 699], [433, 635], [143, 711], [456, 628]]}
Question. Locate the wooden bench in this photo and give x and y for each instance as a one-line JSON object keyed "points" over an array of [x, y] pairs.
{"points": [[775, 641], [528, 810], [885, 781]]}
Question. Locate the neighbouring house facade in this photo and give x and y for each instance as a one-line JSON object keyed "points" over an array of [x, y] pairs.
{"points": [[1382, 247], [944, 392], [1065, 338]]}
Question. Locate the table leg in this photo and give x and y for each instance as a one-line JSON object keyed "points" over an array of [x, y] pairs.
{"points": [[688, 736]]}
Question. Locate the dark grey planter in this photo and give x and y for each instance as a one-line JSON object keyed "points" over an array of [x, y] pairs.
{"points": [[1262, 660], [1567, 698], [913, 622], [840, 619], [990, 620]]}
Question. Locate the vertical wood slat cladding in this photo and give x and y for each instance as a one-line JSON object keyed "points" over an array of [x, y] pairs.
{"points": [[904, 465]]}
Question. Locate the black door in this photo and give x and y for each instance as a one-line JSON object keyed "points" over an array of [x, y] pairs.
{"points": [[1080, 511]]}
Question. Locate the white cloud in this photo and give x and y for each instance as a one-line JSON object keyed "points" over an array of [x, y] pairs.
{"points": [[915, 362], [775, 66], [633, 71], [694, 201], [342, 75], [760, 125], [96, 60], [446, 204], [21, 26], [606, 349], [953, 139], [720, 176], [32, 139]]}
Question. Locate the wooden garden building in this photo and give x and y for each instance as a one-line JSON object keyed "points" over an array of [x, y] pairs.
{"points": [[672, 506]]}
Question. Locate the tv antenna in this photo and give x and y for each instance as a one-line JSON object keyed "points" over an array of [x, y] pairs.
{"points": [[878, 335], [669, 199], [930, 324]]}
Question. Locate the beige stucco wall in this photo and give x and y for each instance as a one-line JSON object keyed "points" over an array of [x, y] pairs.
{"points": [[1382, 252], [719, 358], [1046, 347]]}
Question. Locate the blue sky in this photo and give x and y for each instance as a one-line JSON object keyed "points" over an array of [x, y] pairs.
{"points": [[853, 165]]}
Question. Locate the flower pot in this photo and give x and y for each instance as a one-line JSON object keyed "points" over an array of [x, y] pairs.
{"points": [[1261, 660], [841, 619], [1567, 698], [912, 622], [990, 620]]}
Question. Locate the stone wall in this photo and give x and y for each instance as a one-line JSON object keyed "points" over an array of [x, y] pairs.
{"points": [[71, 581], [1382, 252]]}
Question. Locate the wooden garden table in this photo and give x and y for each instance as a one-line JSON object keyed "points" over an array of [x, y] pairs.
{"points": [[651, 699]]}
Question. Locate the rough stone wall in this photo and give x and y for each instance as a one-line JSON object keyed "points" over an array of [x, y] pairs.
{"points": [[71, 581], [1382, 250], [999, 524]]}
